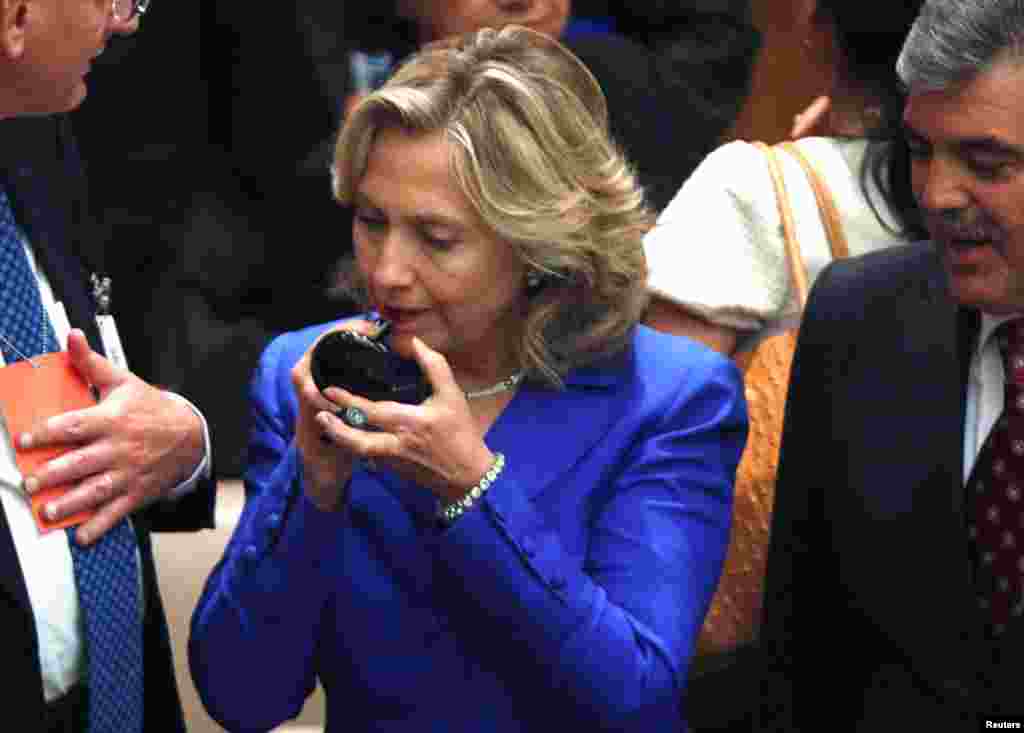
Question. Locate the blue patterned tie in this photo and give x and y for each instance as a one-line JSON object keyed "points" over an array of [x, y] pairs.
{"points": [[106, 573]]}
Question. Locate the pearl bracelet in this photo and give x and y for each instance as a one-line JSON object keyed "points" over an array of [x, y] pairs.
{"points": [[448, 513]]}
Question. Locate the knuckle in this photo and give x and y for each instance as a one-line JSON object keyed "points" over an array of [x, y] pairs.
{"points": [[67, 463], [297, 375], [75, 427], [102, 487]]}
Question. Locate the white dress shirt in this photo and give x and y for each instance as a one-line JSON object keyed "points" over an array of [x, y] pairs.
{"points": [[46, 559], [985, 390]]}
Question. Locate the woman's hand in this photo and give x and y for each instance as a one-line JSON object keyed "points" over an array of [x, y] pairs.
{"points": [[814, 119], [436, 444], [327, 465]]}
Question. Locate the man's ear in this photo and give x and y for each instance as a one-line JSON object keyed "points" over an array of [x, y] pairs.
{"points": [[13, 22]]}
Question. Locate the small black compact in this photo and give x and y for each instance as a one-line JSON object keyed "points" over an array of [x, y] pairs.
{"points": [[366, 366]]}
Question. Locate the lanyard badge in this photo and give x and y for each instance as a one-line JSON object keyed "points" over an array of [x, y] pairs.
{"points": [[101, 293]]}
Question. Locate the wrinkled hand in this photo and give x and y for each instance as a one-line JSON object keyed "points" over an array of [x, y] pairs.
{"points": [[436, 444], [326, 467], [128, 450]]}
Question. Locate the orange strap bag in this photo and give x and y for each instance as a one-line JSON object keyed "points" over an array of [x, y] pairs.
{"points": [[736, 607]]}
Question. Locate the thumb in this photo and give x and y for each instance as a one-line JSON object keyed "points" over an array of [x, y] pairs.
{"points": [[93, 367], [435, 367]]}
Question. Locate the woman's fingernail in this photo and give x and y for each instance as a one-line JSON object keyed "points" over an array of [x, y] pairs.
{"points": [[31, 484], [51, 511], [25, 441]]}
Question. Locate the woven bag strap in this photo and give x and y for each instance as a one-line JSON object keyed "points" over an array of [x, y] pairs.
{"points": [[794, 259], [826, 204]]}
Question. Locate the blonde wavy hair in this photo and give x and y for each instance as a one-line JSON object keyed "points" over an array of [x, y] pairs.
{"points": [[528, 125]]}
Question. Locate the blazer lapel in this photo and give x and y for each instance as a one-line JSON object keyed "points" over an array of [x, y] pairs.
{"points": [[908, 568], [931, 404], [47, 191], [563, 426], [70, 282], [938, 350]]}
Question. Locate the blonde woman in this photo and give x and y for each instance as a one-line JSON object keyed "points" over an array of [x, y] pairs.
{"points": [[535, 545]]}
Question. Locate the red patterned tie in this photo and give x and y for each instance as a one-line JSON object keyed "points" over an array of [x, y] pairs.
{"points": [[997, 485]]}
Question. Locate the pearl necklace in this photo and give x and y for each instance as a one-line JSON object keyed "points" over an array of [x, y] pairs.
{"points": [[503, 386]]}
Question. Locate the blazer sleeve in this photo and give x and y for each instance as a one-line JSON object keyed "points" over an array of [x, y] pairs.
{"points": [[260, 605]]}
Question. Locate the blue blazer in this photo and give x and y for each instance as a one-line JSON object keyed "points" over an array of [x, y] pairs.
{"points": [[571, 595]]}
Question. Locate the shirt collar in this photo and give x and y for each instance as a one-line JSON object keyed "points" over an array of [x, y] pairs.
{"points": [[989, 323]]}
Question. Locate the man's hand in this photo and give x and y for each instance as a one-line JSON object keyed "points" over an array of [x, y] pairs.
{"points": [[132, 448]]}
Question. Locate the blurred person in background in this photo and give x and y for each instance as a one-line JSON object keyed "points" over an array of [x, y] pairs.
{"points": [[533, 546], [675, 77], [718, 272]]}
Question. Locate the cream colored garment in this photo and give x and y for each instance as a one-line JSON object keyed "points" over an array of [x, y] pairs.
{"points": [[718, 251]]}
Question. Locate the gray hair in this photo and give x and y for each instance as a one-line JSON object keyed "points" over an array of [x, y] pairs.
{"points": [[955, 41]]}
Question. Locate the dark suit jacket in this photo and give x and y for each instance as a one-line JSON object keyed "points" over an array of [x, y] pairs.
{"points": [[42, 174], [870, 619]]}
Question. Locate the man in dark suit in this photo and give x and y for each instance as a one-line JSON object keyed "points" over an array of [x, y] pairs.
{"points": [[139, 453], [893, 598]]}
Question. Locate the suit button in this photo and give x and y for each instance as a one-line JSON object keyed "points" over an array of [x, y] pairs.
{"points": [[273, 520], [529, 545]]}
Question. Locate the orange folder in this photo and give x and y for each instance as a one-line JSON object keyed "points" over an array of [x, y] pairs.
{"points": [[31, 392]]}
